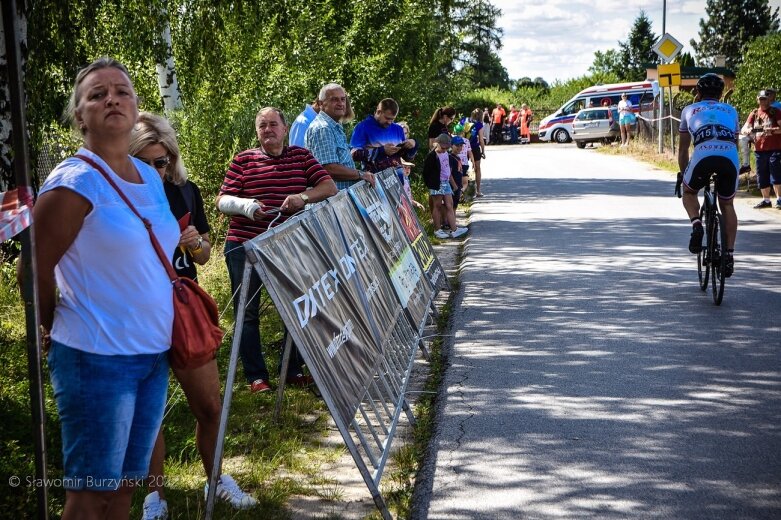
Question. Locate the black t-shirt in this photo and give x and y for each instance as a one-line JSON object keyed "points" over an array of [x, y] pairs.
{"points": [[181, 200], [436, 128]]}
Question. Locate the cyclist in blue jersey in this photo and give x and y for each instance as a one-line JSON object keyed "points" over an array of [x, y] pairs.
{"points": [[713, 128]]}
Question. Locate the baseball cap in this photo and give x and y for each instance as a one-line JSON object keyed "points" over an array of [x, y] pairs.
{"points": [[763, 94], [443, 139], [407, 163], [457, 140]]}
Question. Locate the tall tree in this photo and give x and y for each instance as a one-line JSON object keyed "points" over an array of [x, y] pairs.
{"points": [[6, 138], [685, 59], [731, 24], [166, 71], [607, 63], [636, 52], [480, 39], [761, 69]]}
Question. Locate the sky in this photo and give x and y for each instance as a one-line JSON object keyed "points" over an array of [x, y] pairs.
{"points": [[556, 39]]}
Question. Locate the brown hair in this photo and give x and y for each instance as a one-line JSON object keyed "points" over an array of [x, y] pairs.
{"points": [[442, 111], [388, 104]]}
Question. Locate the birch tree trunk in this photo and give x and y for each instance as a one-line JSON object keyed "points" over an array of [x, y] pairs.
{"points": [[166, 74], [6, 139]]}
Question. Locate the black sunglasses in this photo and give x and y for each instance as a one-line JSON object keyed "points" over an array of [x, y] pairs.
{"points": [[160, 162]]}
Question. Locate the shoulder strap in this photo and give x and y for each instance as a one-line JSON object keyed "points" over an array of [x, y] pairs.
{"points": [[148, 225]]}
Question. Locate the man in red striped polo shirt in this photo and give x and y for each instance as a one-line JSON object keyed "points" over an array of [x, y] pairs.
{"points": [[259, 182]]}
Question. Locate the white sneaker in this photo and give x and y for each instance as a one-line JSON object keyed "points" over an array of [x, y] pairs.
{"points": [[441, 234], [155, 508], [230, 492], [458, 232]]}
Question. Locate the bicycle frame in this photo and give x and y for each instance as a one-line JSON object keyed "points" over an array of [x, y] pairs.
{"points": [[710, 260]]}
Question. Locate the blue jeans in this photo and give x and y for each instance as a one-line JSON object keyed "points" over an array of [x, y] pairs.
{"points": [[250, 345], [513, 134], [111, 409]]}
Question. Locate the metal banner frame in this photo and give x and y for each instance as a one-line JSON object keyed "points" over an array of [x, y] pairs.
{"points": [[368, 428]]}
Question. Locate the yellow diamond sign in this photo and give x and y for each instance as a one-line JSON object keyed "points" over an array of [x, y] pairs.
{"points": [[667, 48]]}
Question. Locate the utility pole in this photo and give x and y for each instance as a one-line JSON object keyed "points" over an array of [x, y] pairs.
{"points": [[661, 90]]}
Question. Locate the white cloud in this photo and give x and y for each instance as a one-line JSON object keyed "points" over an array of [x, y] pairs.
{"points": [[556, 39]]}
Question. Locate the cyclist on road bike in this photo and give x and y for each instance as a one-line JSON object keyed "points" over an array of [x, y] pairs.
{"points": [[713, 127]]}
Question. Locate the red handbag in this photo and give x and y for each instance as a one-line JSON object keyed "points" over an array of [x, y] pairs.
{"points": [[196, 331]]}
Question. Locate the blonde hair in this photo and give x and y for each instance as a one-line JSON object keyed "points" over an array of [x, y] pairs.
{"points": [[405, 127], [152, 129]]}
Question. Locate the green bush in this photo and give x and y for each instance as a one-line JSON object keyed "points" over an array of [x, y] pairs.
{"points": [[761, 69]]}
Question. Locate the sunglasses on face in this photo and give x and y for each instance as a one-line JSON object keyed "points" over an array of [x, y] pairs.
{"points": [[160, 162]]}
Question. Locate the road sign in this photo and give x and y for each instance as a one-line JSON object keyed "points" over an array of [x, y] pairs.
{"points": [[669, 75], [667, 48]]}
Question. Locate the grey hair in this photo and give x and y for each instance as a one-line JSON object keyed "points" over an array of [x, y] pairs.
{"points": [[323, 95], [265, 110]]}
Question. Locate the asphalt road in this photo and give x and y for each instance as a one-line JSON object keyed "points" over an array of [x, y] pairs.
{"points": [[588, 376]]}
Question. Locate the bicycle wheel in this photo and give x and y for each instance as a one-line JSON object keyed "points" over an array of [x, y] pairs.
{"points": [[702, 256], [718, 258]]}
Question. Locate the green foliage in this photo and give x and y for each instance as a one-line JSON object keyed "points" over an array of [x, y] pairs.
{"points": [[761, 69], [685, 59], [731, 24], [478, 38], [608, 62], [636, 52], [682, 99]]}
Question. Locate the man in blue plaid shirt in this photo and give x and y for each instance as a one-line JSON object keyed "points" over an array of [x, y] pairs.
{"points": [[326, 139]]}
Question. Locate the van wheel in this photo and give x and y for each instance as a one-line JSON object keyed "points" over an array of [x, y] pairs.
{"points": [[580, 144], [560, 136]]}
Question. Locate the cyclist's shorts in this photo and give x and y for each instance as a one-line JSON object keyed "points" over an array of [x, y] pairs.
{"points": [[696, 178]]}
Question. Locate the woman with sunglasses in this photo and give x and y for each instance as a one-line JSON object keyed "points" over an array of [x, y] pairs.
{"points": [[154, 142]]}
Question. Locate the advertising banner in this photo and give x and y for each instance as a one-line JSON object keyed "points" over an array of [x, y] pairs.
{"points": [[380, 295], [408, 219], [314, 282], [379, 217]]}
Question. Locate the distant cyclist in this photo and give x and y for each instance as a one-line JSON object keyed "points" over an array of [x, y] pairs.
{"points": [[713, 127]]}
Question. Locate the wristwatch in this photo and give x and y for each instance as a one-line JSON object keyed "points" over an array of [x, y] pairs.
{"points": [[198, 247], [304, 197], [360, 174]]}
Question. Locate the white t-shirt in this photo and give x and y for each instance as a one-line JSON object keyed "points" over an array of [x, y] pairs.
{"points": [[713, 127], [116, 298], [624, 107]]}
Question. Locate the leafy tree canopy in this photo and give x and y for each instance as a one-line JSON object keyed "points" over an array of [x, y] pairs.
{"points": [[636, 52], [761, 69], [731, 24]]}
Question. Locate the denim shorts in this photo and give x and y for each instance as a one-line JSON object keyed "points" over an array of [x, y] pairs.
{"points": [[110, 408], [768, 168], [444, 189]]}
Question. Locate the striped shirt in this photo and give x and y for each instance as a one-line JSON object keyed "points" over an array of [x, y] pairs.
{"points": [[269, 179], [328, 143]]}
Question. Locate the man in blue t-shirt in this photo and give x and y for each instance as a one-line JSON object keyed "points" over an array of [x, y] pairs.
{"points": [[379, 143], [302, 122]]}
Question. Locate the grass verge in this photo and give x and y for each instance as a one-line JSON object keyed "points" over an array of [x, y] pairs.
{"points": [[271, 459]]}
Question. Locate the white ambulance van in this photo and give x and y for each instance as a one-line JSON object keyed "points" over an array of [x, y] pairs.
{"points": [[558, 126]]}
